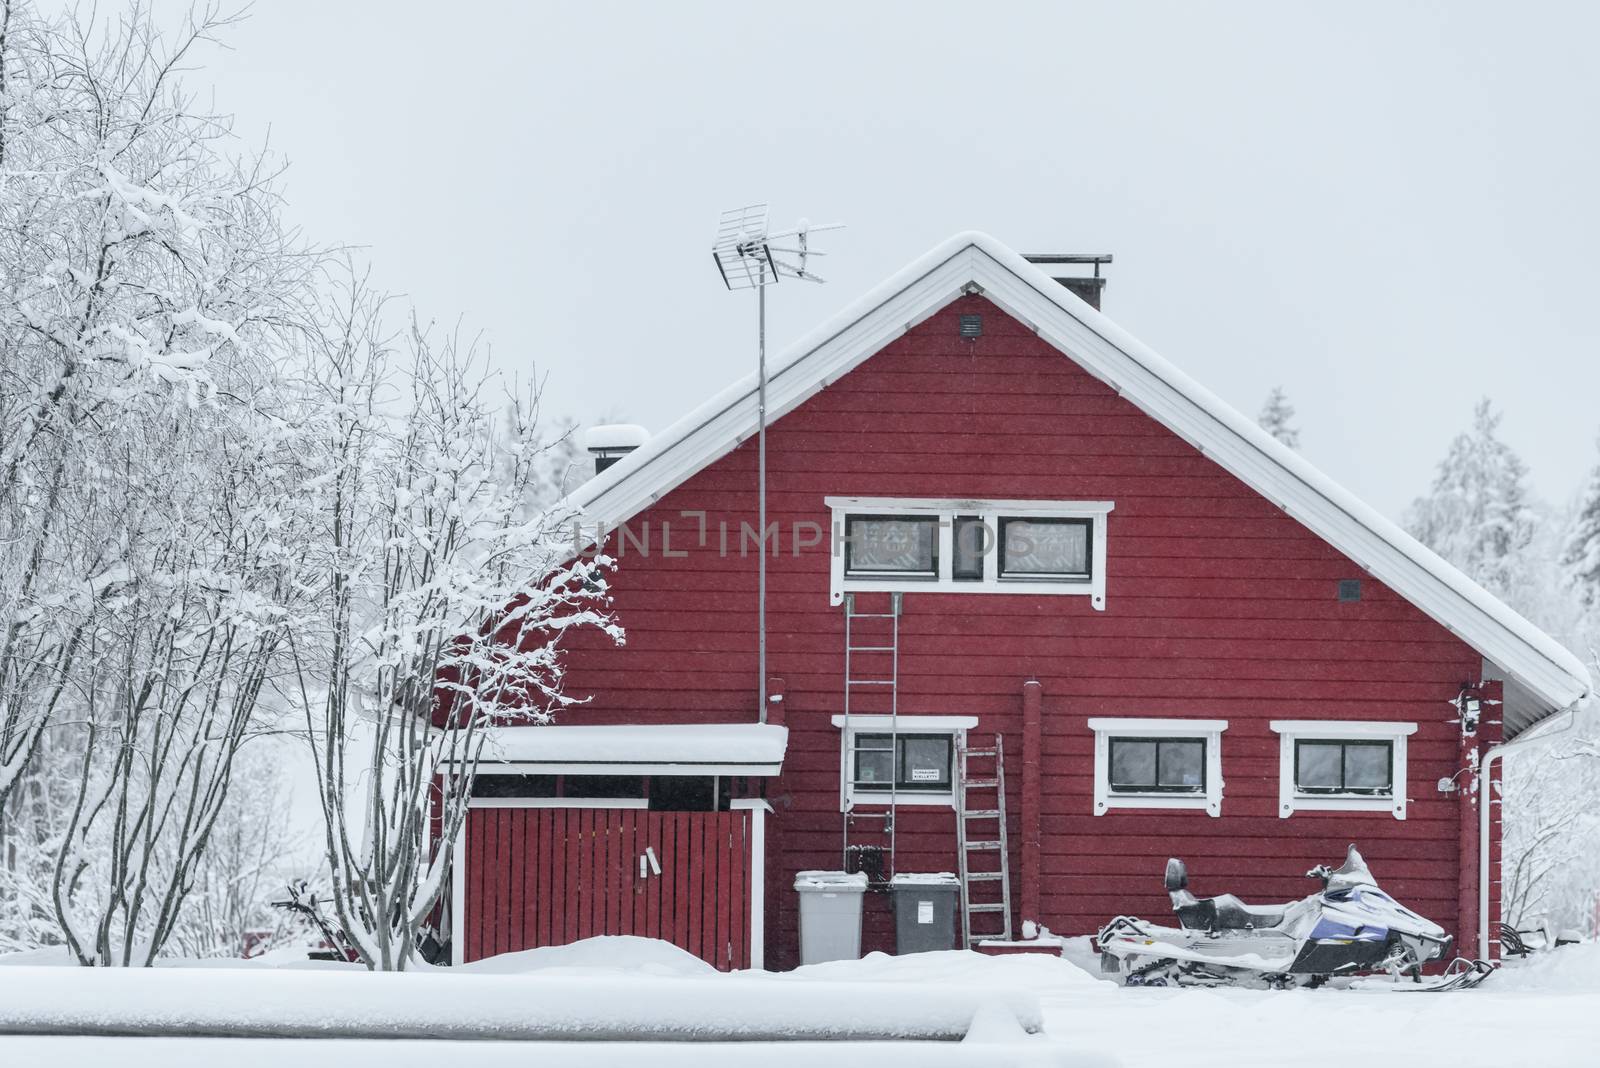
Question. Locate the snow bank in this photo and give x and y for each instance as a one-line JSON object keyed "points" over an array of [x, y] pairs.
{"points": [[1021, 971], [605, 954], [352, 1004], [1566, 969], [258, 1053]]}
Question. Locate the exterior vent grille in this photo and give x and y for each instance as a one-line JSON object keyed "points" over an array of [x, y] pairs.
{"points": [[972, 326], [1349, 589]]}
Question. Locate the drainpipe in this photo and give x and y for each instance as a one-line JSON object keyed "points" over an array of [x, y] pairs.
{"points": [[1032, 746], [1486, 779]]}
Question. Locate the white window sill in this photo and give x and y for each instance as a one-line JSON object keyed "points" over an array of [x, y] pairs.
{"points": [[1336, 803], [1192, 802], [880, 799]]}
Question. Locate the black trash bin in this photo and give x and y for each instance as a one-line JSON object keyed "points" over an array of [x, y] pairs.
{"points": [[925, 911]]}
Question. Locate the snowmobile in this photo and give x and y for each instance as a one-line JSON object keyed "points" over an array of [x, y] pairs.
{"points": [[1348, 928]]}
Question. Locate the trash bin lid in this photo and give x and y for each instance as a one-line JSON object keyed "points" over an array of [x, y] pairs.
{"points": [[931, 878], [831, 881]]}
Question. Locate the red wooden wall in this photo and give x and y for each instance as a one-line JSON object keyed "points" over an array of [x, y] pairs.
{"points": [[1218, 606], [550, 876]]}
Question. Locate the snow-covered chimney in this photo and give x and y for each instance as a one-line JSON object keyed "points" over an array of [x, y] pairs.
{"points": [[1062, 265], [610, 443]]}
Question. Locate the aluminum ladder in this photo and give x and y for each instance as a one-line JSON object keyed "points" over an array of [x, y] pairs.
{"points": [[875, 648], [981, 832]]}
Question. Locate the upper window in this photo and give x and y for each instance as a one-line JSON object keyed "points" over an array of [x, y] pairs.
{"points": [[1158, 763], [1342, 765], [886, 544], [898, 546], [1044, 548]]}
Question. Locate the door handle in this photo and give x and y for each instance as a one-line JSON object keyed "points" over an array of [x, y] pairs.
{"points": [[648, 863]]}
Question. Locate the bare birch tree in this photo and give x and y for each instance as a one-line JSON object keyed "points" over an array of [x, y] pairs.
{"points": [[445, 593]]}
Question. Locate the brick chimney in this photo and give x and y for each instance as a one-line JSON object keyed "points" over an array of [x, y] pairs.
{"points": [[1068, 268]]}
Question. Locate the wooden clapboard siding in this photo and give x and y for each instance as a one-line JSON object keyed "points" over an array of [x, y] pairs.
{"points": [[1218, 606]]}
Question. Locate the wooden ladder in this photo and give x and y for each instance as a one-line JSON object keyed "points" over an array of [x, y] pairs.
{"points": [[981, 832]]}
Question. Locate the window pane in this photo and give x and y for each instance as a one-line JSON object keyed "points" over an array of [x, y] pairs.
{"points": [[973, 540], [874, 761], [905, 545], [1317, 765], [1133, 764], [1046, 547], [925, 762], [1366, 767], [1182, 765]]}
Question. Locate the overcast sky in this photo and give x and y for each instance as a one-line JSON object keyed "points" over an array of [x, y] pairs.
{"points": [[1389, 209]]}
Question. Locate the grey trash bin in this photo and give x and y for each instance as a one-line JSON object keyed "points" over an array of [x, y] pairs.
{"points": [[830, 915], [925, 911]]}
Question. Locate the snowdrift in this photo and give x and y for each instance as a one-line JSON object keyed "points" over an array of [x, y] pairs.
{"points": [[616, 1007]]}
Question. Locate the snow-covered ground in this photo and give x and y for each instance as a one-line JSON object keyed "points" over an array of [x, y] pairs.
{"points": [[1541, 1012]]}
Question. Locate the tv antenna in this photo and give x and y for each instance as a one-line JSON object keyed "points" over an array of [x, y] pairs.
{"points": [[748, 257]]}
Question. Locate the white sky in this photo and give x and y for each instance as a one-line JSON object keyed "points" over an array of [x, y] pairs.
{"points": [[1389, 208]]}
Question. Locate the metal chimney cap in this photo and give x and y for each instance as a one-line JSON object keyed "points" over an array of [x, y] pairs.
{"points": [[615, 437]]}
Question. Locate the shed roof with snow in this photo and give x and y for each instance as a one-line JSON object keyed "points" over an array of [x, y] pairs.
{"points": [[662, 749]]}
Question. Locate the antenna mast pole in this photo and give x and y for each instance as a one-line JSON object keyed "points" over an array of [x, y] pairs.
{"points": [[761, 496], [748, 257]]}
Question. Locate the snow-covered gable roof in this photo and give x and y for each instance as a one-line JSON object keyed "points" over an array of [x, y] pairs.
{"points": [[1537, 666]]}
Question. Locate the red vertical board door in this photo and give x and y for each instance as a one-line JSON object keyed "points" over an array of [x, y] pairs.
{"points": [[550, 876]]}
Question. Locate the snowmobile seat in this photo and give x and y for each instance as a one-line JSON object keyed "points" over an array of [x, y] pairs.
{"points": [[1227, 913]]}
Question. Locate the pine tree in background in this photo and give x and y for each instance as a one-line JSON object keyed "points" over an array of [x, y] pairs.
{"points": [[1277, 416], [1580, 555], [1478, 515]]}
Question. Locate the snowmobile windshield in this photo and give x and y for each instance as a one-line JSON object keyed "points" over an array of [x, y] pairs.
{"points": [[1352, 873]]}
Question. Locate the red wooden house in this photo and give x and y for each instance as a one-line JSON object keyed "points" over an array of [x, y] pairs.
{"points": [[1003, 520]]}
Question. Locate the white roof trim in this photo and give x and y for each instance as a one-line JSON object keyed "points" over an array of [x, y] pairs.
{"points": [[1551, 673], [1343, 728], [910, 724], [1153, 726]]}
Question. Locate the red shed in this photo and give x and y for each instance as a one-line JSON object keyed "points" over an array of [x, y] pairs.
{"points": [[1000, 524]]}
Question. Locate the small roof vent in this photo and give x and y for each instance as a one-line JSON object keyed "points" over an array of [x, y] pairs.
{"points": [[1068, 268], [612, 441]]}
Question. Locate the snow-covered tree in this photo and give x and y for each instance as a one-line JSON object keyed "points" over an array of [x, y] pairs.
{"points": [[1552, 839], [1277, 418], [254, 852], [148, 471], [444, 593], [1478, 514], [1580, 553]]}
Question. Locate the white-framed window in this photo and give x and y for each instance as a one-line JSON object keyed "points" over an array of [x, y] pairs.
{"points": [[968, 546], [1342, 766], [1158, 763], [910, 760]]}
